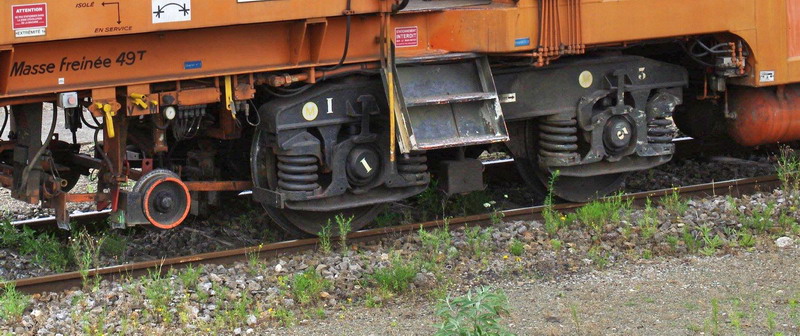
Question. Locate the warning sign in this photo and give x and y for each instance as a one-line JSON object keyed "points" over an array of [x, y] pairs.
{"points": [[406, 36], [29, 16]]}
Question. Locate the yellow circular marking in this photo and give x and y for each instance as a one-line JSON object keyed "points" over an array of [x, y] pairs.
{"points": [[586, 79], [310, 111]]}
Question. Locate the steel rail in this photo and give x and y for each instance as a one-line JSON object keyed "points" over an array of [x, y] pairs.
{"points": [[65, 281]]}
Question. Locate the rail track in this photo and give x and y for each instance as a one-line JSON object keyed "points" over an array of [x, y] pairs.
{"points": [[65, 281]]}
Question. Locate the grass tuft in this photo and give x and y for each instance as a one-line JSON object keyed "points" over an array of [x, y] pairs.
{"points": [[397, 277], [13, 303], [478, 312], [307, 286]]}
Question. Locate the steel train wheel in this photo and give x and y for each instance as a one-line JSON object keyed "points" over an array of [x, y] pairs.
{"points": [[301, 223], [573, 189], [165, 200]]}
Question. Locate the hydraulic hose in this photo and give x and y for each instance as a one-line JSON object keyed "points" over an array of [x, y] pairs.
{"points": [[348, 15], [401, 6], [29, 167], [97, 124]]}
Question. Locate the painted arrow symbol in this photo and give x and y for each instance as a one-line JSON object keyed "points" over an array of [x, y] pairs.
{"points": [[182, 9], [119, 18]]}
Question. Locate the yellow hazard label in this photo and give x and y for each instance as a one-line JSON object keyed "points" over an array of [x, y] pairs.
{"points": [[310, 111]]}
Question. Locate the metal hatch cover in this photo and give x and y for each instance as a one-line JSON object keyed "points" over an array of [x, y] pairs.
{"points": [[415, 6]]}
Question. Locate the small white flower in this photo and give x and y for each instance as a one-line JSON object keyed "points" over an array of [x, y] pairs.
{"points": [[486, 205]]}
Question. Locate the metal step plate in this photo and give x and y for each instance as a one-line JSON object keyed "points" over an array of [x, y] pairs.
{"points": [[449, 103]]}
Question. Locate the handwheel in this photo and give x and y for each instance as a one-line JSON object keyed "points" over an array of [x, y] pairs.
{"points": [[165, 198], [300, 223], [570, 188]]}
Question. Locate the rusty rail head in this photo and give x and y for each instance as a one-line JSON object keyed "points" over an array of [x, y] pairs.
{"points": [[65, 281]]}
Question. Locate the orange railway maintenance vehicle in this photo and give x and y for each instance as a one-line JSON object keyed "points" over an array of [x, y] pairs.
{"points": [[339, 106]]}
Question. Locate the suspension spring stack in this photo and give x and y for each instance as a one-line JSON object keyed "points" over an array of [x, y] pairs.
{"points": [[659, 131], [413, 166], [558, 137], [298, 173]]}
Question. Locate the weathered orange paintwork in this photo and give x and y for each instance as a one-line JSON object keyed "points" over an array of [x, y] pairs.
{"points": [[231, 37], [765, 115]]}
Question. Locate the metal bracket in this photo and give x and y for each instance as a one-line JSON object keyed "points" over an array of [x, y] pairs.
{"points": [[269, 197]]}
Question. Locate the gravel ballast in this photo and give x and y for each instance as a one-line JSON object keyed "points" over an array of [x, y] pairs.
{"points": [[643, 274]]}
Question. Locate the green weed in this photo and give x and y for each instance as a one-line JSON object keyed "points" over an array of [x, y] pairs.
{"points": [[556, 244], [788, 169], [437, 242], [284, 316], [325, 238], [598, 257], [714, 321], [691, 242], [114, 245], [388, 218], [307, 286], [254, 262], [476, 313], [649, 222], [189, 276], [516, 248], [158, 292], [478, 240], [673, 241], [12, 303], [597, 214], [345, 226], [573, 309], [96, 327], [233, 314], [771, 321], [397, 277], [468, 204], [430, 202], [746, 239], [711, 242], [86, 252], [674, 203], [786, 222], [553, 220], [43, 248], [760, 221]]}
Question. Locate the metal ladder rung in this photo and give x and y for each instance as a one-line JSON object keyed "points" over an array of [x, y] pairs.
{"points": [[449, 99]]}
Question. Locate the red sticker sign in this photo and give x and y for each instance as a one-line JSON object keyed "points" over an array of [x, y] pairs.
{"points": [[29, 16], [406, 36]]}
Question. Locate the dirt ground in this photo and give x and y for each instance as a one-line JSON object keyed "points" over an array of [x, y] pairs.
{"points": [[747, 294]]}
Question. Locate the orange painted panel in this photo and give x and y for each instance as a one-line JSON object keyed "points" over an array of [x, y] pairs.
{"points": [[68, 19], [793, 25]]}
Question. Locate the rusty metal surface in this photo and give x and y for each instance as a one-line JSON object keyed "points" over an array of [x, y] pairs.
{"points": [[69, 280], [218, 185]]}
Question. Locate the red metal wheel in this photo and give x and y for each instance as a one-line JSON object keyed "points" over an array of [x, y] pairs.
{"points": [[166, 199]]}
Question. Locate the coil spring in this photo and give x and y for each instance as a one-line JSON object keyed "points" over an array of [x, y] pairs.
{"points": [[414, 164], [558, 137], [298, 173], [659, 131]]}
